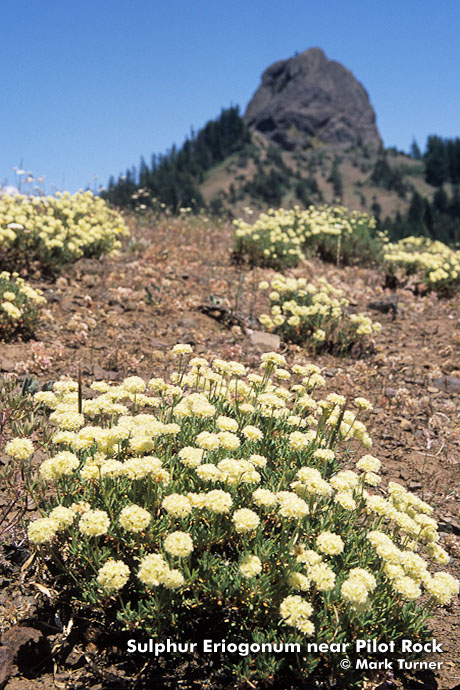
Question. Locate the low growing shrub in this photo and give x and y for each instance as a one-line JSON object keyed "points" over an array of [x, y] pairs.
{"points": [[314, 315], [55, 230], [281, 238], [436, 264], [19, 306], [217, 506]]}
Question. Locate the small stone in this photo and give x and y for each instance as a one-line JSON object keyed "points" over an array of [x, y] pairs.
{"points": [[75, 658], [447, 383], [405, 424], [89, 280], [157, 344], [101, 374], [265, 342], [19, 635], [28, 645], [67, 304], [189, 323], [6, 663], [62, 283], [455, 527], [129, 305]]}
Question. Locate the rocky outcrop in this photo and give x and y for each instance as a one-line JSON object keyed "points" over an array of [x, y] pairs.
{"points": [[309, 99]]}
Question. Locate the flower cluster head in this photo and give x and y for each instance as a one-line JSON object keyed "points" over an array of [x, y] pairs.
{"points": [[155, 571], [94, 523], [177, 505], [43, 530], [291, 506], [357, 587], [369, 464], [19, 448], [264, 497], [442, 587], [133, 518], [182, 349], [245, 520], [299, 581], [179, 544], [218, 501], [113, 575], [58, 466], [296, 611], [329, 543], [406, 587], [63, 516], [190, 456], [311, 483], [250, 566], [322, 576]]}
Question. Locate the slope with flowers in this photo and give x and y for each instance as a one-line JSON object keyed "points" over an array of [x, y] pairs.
{"points": [[120, 316]]}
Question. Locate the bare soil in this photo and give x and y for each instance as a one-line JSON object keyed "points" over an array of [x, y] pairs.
{"points": [[120, 316]]}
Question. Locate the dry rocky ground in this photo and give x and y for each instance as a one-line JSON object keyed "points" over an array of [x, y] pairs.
{"points": [[116, 317]]}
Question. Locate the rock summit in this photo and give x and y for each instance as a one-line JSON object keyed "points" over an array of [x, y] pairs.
{"points": [[309, 100]]}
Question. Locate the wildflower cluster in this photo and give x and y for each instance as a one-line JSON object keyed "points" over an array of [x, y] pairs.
{"points": [[19, 306], [282, 237], [302, 312], [216, 499], [434, 262], [57, 229]]}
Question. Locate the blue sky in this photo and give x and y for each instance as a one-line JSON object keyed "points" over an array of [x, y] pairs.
{"points": [[89, 86]]}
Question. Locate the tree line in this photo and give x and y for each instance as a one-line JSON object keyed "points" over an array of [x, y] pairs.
{"points": [[438, 219], [442, 161]]}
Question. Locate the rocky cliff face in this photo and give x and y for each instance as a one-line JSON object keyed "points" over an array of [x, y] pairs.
{"points": [[310, 98]]}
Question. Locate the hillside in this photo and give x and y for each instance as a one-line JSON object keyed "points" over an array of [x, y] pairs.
{"points": [[264, 174], [308, 136]]}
